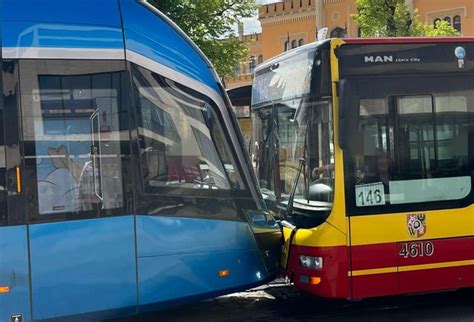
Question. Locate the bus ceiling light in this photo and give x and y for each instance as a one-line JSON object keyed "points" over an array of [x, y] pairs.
{"points": [[311, 262]]}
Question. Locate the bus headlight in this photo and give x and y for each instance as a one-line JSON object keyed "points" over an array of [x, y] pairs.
{"points": [[311, 262]]}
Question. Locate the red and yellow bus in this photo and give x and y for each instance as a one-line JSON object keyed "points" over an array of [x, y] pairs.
{"points": [[365, 149]]}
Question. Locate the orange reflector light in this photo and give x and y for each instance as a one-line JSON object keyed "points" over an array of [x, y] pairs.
{"points": [[314, 280], [224, 273], [18, 179], [4, 289]]}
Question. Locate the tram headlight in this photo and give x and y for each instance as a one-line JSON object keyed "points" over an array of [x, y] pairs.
{"points": [[311, 262]]}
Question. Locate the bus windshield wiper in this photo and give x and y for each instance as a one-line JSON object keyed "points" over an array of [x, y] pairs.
{"points": [[301, 167], [289, 206]]}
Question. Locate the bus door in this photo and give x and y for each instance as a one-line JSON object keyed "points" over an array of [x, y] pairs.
{"points": [[14, 267], [409, 175]]}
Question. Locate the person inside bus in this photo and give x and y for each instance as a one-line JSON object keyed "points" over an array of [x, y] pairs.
{"points": [[383, 168], [377, 169]]}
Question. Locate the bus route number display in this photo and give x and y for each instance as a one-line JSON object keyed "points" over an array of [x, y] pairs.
{"points": [[372, 194]]}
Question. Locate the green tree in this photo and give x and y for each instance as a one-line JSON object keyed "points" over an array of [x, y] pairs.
{"points": [[393, 18], [209, 23]]}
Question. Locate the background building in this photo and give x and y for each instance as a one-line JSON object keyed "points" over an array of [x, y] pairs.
{"points": [[287, 24]]}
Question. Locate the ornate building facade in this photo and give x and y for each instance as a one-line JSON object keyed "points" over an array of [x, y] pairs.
{"points": [[287, 24]]}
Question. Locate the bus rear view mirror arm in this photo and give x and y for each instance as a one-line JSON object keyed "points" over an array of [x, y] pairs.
{"points": [[348, 112]]}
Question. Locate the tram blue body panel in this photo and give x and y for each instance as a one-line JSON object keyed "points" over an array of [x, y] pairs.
{"points": [[181, 257], [150, 36], [82, 266], [14, 271], [125, 263], [61, 24]]}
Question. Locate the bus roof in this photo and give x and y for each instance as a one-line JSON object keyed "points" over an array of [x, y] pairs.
{"points": [[407, 40], [362, 41], [287, 54]]}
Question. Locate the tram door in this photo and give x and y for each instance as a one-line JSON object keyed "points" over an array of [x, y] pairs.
{"points": [[14, 272], [75, 162]]}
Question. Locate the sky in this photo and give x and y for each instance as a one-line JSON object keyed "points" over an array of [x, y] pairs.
{"points": [[252, 25]]}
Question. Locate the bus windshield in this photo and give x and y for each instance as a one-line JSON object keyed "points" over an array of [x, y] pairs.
{"points": [[286, 132], [278, 82], [292, 145]]}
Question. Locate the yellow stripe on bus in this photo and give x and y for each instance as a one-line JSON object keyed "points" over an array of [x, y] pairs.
{"points": [[410, 268], [373, 271], [435, 265]]}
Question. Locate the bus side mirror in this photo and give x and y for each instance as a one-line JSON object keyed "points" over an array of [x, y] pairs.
{"points": [[348, 113]]}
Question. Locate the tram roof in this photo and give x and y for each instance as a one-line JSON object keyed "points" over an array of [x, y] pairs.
{"points": [[106, 27]]}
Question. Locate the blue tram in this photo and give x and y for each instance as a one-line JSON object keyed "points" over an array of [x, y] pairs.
{"points": [[123, 184]]}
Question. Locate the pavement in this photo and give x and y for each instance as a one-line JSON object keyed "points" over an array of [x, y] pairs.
{"points": [[279, 301]]}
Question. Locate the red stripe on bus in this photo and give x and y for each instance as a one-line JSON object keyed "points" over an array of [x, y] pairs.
{"points": [[444, 250], [336, 284], [374, 256], [389, 254], [436, 279], [374, 285], [428, 280]]}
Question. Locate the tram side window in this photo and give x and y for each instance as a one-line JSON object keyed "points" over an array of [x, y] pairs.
{"points": [[75, 138], [415, 149], [182, 144]]}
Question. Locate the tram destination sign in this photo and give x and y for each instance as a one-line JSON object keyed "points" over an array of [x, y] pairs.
{"points": [[411, 58]]}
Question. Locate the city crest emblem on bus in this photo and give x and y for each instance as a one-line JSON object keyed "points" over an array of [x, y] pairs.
{"points": [[416, 225]]}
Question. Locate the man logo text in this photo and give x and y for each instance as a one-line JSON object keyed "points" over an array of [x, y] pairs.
{"points": [[378, 59]]}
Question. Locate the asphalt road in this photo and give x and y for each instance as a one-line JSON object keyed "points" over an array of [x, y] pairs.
{"points": [[281, 302]]}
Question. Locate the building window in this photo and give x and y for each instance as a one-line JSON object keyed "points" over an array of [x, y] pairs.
{"points": [[301, 42], [338, 33], [457, 22], [260, 59], [294, 44], [237, 70], [454, 21], [252, 65], [287, 44]]}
